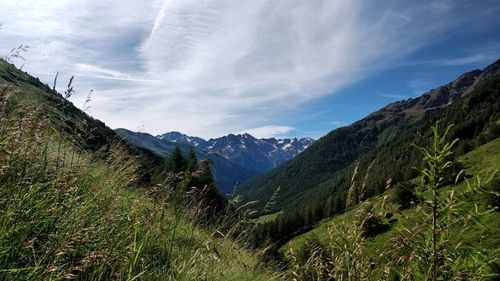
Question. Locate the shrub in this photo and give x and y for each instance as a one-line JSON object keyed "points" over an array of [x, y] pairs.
{"points": [[373, 225], [405, 195]]}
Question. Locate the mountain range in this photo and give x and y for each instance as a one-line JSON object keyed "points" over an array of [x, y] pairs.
{"points": [[235, 158], [244, 149]]}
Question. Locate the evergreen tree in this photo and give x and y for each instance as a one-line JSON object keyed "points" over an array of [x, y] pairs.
{"points": [[175, 162], [191, 160], [206, 174], [330, 209], [318, 213]]}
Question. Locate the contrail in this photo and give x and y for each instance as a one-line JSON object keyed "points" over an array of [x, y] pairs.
{"points": [[158, 20]]}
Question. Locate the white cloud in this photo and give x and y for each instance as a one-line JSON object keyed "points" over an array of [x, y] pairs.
{"points": [[208, 68], [270, 131]]}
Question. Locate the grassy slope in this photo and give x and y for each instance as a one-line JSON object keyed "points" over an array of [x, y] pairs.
{"points": [[266, 218], [69, 212], [484, 160]]}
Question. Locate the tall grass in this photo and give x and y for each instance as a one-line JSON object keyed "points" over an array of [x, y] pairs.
{"points": [[71, 213], [430, 248]]}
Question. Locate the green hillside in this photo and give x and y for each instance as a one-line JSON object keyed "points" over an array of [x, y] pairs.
{"points": [[483, 161], [77, 202], [380, 141], [301, 211], [380, 234]]}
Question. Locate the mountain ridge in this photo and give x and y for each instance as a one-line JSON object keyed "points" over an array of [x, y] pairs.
{"points": [[242, 148], [235, 158], [327, 165], [227, 174]]}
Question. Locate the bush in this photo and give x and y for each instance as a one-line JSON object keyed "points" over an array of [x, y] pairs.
{"points": [[373, 225], [405, 195]]}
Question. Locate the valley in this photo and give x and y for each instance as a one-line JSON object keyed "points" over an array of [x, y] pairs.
{"points": [[368, 196], [189, 140]]}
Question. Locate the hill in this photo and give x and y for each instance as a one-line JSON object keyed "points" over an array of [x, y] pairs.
{"points": [[473, 203], [380, 141], [79, 202]]}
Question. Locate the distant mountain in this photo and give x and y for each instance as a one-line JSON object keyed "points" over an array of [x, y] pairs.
{"points": [[380, 143], [227, 174], [236, 158], [180, 138], [245, 150]]}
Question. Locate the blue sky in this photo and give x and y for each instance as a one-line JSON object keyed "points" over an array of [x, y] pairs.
{"points": [[268, 67]]}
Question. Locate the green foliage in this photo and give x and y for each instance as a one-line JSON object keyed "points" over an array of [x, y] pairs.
{"points": [[176, 162], [494, 192], [437, 251], [343, 257], [430, 244], [191, 160]]}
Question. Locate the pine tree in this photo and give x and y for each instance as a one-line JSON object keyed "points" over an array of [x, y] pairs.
{"points": [[191, 160], [207, 178], [176, 162], [329, 210]]}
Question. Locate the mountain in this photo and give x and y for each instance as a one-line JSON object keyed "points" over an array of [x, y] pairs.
{"points": [[380, 143], [245, 150], [145, 140], [227, 174], [180, 138], [235, 158]]}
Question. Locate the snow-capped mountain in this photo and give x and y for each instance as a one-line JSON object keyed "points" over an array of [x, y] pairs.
{"points": [[246, 150], [235, 158], [183, 139]]}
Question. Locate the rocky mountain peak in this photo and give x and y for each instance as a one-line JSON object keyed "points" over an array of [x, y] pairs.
{"points": [[244, 149]]}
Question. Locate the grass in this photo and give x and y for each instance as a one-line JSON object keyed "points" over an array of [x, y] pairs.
{"points": [[68, 212], [269, 217]]}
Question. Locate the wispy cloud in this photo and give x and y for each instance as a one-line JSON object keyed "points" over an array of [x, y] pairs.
{"points": [[158, 21], [212, 67]]}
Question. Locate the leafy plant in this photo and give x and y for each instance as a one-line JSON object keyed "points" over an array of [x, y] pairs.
{"points": [[432, 249]]}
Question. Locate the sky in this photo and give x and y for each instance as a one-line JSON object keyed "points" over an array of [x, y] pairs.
{"points": [[272, 68]]}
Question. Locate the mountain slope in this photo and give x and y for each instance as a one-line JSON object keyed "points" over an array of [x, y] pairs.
{"points": [[381, 138], [469, 199], [77, 202]]}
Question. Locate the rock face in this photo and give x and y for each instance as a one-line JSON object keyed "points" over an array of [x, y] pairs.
{"points": [[244, 149]]}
